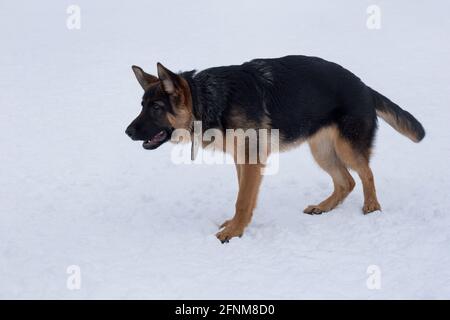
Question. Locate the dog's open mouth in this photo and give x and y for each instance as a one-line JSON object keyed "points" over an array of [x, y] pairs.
{"points": [[157, 140]]}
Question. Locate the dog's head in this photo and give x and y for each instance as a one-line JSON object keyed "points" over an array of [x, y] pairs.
{"points": [[166, 105]]}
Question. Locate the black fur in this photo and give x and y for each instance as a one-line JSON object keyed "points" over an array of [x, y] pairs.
{"points": [[296, 94], [402, 118], [299, 94]]}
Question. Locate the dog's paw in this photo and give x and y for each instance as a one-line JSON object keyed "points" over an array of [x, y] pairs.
{"points": [[314, 209], [371, 206], [226, 223], [230, 230]]}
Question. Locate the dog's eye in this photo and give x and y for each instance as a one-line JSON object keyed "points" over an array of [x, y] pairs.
{"points": [[157, 105]]}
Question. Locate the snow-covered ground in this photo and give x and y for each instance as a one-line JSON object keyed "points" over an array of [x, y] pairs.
{"points": [[75, 190]]}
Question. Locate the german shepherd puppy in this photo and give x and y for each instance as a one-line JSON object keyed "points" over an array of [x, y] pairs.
{"points": [[306, 98]]}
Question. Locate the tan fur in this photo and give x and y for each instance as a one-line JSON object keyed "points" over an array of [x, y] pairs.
{"points": [[322, 146], [145, 80], [182, 101], [398, 124], [334, 154], [249, 180], [291, 145], [245, 130], [249, 177], [238, 119], [360, 164]]}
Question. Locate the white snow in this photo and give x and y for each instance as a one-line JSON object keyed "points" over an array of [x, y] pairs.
{"points": [[75, 190]]}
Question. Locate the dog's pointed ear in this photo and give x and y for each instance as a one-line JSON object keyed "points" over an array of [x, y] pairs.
{"points": [[144, 79], [169, 80]]}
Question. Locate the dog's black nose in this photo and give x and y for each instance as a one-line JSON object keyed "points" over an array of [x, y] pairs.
{"points": [[130, 132]]}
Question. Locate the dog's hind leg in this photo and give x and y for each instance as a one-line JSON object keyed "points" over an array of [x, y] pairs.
{"points": [[359, 161], [323, 151]]}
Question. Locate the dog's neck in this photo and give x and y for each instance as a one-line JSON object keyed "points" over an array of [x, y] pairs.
{"points": [[208, 102], [196, 103]]}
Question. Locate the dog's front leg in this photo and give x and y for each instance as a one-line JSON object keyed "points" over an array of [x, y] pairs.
{"points": [[250, 176]]}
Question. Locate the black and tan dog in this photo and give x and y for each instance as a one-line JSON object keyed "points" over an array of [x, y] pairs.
{"points": [[306, 98]]}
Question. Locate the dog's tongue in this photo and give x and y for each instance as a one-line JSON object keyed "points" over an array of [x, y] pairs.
{"points": [[156, 140], [160, 136]]}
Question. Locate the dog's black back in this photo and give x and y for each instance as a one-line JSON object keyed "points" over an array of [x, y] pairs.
{"points": [[299, 95]]}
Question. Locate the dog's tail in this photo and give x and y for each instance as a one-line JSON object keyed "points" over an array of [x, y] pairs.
{"points": [[401, 120]]}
